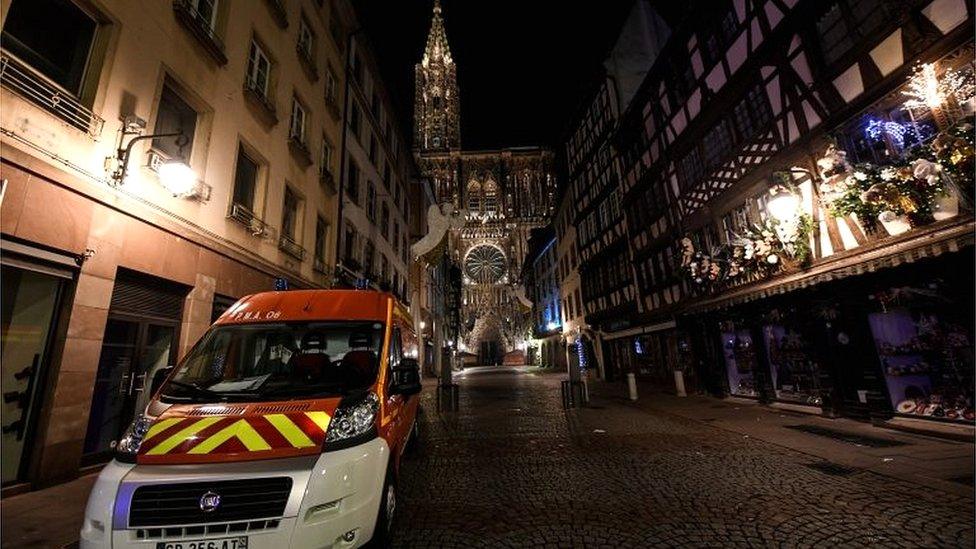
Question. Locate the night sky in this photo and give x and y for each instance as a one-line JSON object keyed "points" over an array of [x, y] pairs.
{"points": [[524, 66]]}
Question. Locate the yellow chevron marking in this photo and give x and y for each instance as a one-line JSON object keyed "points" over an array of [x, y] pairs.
{"points": [[240, 429], [182, 435], [289, 430], [320, 418], [161, 426]]}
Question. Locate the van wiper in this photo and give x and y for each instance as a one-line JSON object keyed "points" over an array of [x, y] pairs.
{"points": [[195, 388], [301, 390]]}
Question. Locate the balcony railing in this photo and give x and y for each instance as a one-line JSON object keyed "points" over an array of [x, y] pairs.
{"points": [[34, 87], [251, 222], [201, 28], [288, 245]]}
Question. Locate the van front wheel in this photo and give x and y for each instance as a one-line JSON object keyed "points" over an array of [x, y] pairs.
{"points": [[383, 532]]}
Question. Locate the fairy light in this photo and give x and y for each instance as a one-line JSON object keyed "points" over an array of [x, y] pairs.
{"points": [[927, 89]]}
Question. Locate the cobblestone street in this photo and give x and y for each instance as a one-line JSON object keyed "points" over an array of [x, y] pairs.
{"points": [[512, 469]]}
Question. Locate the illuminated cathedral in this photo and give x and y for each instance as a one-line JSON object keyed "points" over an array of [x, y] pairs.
{"points": [[500, 195]]}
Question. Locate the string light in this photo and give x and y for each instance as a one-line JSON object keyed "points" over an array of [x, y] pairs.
{"points": [[927, 89]]}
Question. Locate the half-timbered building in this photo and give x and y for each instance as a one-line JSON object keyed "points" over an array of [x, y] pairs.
{"points": [[760, 270]]}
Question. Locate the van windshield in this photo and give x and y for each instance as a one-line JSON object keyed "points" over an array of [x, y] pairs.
{"points": [[278, 361]]}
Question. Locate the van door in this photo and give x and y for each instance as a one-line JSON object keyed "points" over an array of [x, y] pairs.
{"points": [[393, 404]]}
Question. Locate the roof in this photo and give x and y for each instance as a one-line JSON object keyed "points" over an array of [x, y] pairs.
{"points": [[308, 305]]}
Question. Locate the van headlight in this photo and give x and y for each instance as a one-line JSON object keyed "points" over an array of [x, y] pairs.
{"points": [[128, 445], [354, 422]]}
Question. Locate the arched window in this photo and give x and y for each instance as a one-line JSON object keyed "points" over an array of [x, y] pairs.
{"points": [[474, 196], [490, 196]]}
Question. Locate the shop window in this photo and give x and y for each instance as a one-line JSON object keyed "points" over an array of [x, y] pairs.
{"points": [[926, 356], [740, 360], [794, 371], [174, 116], [54, 37]]}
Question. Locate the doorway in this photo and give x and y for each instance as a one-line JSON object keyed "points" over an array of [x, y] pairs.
{"points": [[30, 302], [141, 338]]}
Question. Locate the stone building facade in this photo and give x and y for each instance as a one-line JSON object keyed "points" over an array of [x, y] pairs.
{"points": [[500, 195]]}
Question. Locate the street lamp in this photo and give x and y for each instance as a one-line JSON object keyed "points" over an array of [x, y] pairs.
{"points": [[783, 203], [175, 175]]}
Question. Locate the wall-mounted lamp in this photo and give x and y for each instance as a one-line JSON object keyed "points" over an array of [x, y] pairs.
{"points": [[175, 175], [783, 203]]}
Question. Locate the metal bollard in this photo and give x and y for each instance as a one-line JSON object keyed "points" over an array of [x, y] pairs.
{"points": [[679, 383], [565, 393], [632, 386]]}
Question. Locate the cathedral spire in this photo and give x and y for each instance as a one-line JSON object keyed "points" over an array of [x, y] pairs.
{"points": [[436, 111], [437, 48]]}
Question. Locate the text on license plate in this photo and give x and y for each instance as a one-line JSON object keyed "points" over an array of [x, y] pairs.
{"points": [[219, 543]]}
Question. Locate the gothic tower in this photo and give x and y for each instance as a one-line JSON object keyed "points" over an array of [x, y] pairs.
{"points": [[436, 111]]}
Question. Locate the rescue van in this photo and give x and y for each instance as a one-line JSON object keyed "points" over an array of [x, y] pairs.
{"points": [[282, 427]]}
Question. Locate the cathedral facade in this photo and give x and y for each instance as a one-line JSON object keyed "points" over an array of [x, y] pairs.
{"points": [[498, 196]]}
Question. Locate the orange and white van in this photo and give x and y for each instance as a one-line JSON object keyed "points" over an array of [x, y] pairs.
{"points": [[282, 427]]}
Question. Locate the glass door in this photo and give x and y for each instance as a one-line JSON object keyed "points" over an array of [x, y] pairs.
{"points": [[28, 305], [132, 351]]}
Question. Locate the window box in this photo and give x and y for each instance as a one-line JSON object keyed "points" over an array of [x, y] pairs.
{"points": [[201, 29], [264, 104], [300, 151], [32, 86], [278, 13], [290, 247], [242, 215]]}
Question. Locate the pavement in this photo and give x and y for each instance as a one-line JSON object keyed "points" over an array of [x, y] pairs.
{"points": [[511, 468]]}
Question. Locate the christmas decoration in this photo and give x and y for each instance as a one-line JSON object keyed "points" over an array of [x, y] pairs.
{"points": [[772, 246]]}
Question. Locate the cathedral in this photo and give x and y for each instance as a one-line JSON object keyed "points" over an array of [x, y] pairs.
{"points": [[497, 196]]}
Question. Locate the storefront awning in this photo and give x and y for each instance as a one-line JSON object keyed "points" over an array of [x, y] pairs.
{"points": [[931, 241]]}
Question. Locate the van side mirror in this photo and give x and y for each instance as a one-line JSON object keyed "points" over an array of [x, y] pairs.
{"points": [[406, 378]]}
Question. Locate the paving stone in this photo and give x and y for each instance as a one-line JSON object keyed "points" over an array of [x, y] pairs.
{"points": [[511, 468]]}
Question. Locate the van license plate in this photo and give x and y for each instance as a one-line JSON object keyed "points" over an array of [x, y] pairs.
{"points": [[219, 543]]}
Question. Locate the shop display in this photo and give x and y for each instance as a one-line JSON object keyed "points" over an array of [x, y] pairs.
{"points": [[740, 362], [795, 374], [927, 362]]}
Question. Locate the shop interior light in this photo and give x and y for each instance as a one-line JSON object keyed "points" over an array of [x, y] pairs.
{"points": [[783, 204], [178, 178]]}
